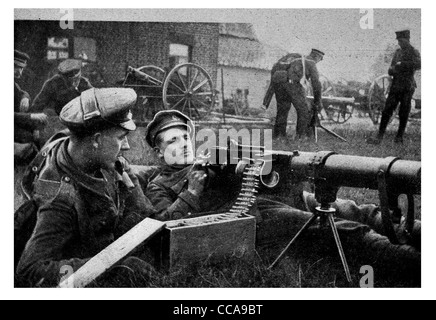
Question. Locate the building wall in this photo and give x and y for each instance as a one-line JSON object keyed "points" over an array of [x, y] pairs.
{"points": [[118, 44], [256, 81]]}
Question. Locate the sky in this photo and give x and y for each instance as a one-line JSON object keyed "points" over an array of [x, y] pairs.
{"points": [[350, 50]]}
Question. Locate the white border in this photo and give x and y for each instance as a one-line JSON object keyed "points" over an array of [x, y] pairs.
{"points": [[6, 233]]}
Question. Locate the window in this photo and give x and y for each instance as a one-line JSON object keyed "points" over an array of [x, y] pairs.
{"points": [[179, 53], [57, 48]]}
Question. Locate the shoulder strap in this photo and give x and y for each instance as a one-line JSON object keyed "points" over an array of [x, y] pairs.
{"points": [[33, 170]]}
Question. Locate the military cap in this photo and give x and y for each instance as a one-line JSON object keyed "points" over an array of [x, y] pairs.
{"points": [[20, 58], [404, 34], [70, 67], [318, 52], [164, 120], [100, 108]]}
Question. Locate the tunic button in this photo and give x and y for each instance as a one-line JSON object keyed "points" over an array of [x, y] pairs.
{"points": [[44, 154], [67, 179]]}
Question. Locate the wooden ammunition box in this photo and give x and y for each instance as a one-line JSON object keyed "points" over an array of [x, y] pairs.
{"points": [[205, 239]]}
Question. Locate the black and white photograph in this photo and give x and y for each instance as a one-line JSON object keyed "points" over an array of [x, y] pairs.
{"points": [[217, 148]]}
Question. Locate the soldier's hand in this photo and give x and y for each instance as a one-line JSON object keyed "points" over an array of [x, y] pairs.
{"points": [[40, 119], [197, 182], [24, 105]]}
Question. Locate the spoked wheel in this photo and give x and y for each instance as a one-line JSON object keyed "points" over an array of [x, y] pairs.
{"points": [[189, 89], [378, 93], [147, 81], [339, 113], [155, 75]]}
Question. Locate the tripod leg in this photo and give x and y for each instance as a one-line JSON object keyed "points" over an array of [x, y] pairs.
{"points": [[332, 133], [280, 257], [339, 246]]}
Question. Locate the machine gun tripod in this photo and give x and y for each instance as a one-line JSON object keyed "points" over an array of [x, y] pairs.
{"points": [[316, 123], [325, 194], [325, 213]]}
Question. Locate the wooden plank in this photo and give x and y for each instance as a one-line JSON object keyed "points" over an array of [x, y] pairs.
{"points": [[113, 253]]}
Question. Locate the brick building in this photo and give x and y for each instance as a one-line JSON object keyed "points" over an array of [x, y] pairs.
{"points": [[112, 46]]}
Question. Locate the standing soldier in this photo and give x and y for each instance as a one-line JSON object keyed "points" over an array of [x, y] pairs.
{"points": [[289, 78], [25, 123], [62, 87], [404, 64], [86, 193]]}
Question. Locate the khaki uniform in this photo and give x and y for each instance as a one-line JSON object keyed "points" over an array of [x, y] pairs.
{"points": [[78, 215], [402, 88], [289, 91], [56, 93]]}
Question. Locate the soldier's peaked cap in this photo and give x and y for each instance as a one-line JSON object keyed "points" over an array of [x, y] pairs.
{"points": [[70, 67], [100, 108], [20, 58], [164, 120], [319, 52], [404, 34]]}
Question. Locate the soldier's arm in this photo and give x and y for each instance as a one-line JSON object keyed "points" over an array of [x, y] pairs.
{"points": [[137, 207], [413, 65], [392, 69], [316, 84], [44, 99], [169, 209], [43, 257], [23, 121], [23, 94], [85, 84]]}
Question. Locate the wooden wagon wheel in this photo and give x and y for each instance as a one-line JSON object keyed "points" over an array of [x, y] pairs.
{"points": [[189, 89], [156, 75], [147, 81], [377, 95], [339, 113]]}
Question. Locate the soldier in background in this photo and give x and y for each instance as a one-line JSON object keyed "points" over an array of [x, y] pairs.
{"points": [[85, 192], [61, 88], [289, 77], [404, 64], [25, 124]]}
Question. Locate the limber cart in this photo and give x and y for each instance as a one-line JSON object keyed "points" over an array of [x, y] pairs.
{"points": [[367, 98], [187, 88]]}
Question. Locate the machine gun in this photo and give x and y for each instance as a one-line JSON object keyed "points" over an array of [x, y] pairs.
{"points": [[327, 172]]}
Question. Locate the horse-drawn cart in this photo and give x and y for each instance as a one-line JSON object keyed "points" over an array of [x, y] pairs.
{"points": [[342, 99], [187, 88]]}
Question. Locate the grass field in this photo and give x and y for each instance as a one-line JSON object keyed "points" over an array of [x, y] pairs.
{"points": [[313, 263]]}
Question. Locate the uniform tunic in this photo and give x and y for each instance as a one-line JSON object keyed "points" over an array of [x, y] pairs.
{"points": [[56, 93], [292, 92], [402, 88], [23, 124], [79, 215]]}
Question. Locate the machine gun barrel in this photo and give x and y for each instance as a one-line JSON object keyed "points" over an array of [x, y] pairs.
{"points": [[338, 170], [403, 176]]}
